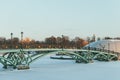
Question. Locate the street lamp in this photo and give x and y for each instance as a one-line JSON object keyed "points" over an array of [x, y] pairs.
{"points": [[62, 42], [21, 40], [11, 40]]}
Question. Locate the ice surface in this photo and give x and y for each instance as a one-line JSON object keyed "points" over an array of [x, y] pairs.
{"points": [[53, 69]]}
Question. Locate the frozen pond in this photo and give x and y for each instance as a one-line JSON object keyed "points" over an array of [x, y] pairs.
{"points": [[52, 69]]}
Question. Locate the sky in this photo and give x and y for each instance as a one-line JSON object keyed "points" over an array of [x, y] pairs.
{"points": [[39, 19]]}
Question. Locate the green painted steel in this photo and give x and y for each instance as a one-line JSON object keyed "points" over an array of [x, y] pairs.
{"points": [[87, 56], [79, 57], [15, 58], [103, 56], [22, 57]]}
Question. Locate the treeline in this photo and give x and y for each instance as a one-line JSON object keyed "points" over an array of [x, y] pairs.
{"points": [[50, 42]]}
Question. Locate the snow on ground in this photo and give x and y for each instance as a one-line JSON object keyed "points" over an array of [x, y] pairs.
{"points": [[52, 69]]}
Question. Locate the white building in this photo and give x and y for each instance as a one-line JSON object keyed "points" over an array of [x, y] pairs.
{"points": [[112, 45]]}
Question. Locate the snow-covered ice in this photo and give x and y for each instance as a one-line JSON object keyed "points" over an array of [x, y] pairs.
{"points": [[53, 69]]}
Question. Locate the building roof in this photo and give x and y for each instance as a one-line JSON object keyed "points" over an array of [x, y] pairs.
{"points": [[112, 45]]}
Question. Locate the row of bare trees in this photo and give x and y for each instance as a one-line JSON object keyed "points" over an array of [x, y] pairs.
{"points": [[50, 42]]}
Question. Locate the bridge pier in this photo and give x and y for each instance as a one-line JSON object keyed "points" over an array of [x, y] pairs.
{"points": [[22, 67]]}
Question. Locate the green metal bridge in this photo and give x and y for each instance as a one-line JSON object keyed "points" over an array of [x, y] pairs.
{"points": [[16, 58], [87, 56], [23, 57]]}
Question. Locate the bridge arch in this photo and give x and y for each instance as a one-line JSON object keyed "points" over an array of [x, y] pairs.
{"points": [[22, 57]]}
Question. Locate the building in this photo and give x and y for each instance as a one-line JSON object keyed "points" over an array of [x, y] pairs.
{"points": [[111, 45]]}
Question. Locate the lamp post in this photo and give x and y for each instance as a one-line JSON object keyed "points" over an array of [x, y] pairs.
{"points": [[11, 40], [62, 42], [21, 40]]}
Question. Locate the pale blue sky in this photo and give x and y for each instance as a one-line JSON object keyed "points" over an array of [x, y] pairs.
{"points": [[42, 18]]}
